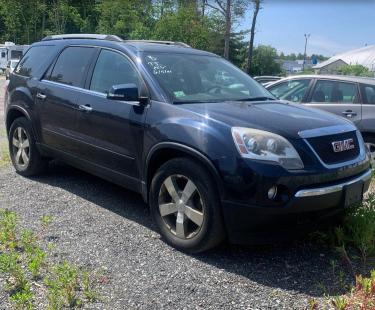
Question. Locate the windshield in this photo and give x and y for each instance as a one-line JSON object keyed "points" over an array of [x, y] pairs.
{"points": [[195, 78]]}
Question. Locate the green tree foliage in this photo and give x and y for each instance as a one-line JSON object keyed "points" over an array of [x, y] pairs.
{"points": [[202, 24], [264, 61], [184, 25], [357, 70]]}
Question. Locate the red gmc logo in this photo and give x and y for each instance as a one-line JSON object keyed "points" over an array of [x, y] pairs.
{"points": [[344, 145]]}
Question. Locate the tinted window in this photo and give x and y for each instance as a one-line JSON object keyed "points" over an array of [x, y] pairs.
{"points": [[71, 65], [368, 94], [34, 60], [293, 90], [334, 92], [2, 54], [198, 78], [112, 69]]}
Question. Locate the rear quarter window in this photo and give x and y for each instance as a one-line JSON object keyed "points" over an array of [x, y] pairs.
{"points": [[35, 60]]}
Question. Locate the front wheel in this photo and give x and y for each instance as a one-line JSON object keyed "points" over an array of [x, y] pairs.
{"points": [[370, 143], [185, 206]]}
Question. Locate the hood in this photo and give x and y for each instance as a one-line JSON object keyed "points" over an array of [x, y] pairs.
{"points": [[283, 118]]}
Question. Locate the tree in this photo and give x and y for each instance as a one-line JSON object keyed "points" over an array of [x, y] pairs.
{"points": [[183, 25], [264, 61], [357, 70], [256, 4], [229, 9], [127, 19]]}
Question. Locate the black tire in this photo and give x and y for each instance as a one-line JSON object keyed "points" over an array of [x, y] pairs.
{"points": [[211, 232], [36, 164], [370, 141]]}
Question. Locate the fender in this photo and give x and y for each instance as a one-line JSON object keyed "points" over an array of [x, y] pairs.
{"points": [[186, 149], [16, 107]]}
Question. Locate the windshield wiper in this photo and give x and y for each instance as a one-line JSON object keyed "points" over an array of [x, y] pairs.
{"points": [[264, 98]]}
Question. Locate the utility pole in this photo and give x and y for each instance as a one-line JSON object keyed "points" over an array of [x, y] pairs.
{"points": [[307, 36]]}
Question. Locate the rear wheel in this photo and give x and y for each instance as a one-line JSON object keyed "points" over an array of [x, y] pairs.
{"points": [[185, 206], [22, 148]]}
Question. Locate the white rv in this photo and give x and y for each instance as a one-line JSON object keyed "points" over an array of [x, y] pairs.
{"points": [[9, 51]]}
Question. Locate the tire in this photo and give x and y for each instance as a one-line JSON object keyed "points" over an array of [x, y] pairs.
{"points": [[21, 130], [198, 209], [370, 142]]}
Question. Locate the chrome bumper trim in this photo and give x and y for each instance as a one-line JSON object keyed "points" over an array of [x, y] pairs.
{"points": [[332, 188]]}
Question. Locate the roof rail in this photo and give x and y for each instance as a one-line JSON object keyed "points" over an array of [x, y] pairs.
{"points": [[83, 36], [158, 42]]}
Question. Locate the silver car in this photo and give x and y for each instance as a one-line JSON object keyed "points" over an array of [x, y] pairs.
{"points": [[349, 97]]}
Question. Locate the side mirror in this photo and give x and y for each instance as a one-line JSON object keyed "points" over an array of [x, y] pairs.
{"points": [[126, 92]]}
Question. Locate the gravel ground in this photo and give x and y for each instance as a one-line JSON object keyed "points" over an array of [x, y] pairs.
{"points": [[104, 227]]}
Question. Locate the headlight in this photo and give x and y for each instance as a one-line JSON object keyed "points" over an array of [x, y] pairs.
{"points": [[267, 146]]}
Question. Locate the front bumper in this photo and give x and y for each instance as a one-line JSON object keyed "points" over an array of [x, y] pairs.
{"points": [[308, 209]]}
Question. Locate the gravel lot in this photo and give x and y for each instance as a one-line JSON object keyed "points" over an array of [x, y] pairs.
{"points": [[104, 227]]}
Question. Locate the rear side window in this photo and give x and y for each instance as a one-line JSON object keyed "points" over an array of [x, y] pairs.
{"points": [[368, 94], [334, 92], [71, 66], [34, 60]]}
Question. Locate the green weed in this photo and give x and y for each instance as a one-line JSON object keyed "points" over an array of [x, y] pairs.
{"points": [[62, 286]]}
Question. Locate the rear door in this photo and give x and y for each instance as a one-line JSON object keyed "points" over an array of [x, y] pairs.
{"points": [[57, 94], [110, 131], [338, 97], [368, 108]]}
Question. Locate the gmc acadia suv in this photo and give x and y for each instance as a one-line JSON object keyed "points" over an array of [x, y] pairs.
{"points": [[213, 153]]}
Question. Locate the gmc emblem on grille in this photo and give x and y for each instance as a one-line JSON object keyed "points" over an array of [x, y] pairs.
{"points": [[344, 145]]}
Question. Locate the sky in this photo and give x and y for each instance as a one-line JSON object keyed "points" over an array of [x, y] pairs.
{"points": [[335, 25]]}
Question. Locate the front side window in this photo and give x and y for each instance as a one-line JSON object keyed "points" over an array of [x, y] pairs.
{"points": [[188, 78], [293, 90], [334, 92], [368, 94], [34, 60], [71, 66], [2, 54], [112, 69]]}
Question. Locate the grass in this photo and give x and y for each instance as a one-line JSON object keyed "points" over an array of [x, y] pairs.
{"points": [[30, 270], [4, 152], [353, 240]]}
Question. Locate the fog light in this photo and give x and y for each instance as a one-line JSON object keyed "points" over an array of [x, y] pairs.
{"points": [[272, 192]]}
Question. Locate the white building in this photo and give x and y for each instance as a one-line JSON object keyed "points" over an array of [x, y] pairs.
{"points": [[364, 56]]}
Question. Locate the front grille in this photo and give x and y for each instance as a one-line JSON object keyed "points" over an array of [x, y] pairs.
{"points": [[323, 147]]}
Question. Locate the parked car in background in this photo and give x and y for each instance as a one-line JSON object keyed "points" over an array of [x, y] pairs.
{"points": [[10, 67], [213, 152], [349, 97], [265, 79]]}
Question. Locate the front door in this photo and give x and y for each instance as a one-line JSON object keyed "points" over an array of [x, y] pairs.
{"points": [[110, 131]]}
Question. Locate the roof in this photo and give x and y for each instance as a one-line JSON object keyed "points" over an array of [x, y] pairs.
{"points": [[364, 56], [327, 63], [136, 45], [356, 79]]}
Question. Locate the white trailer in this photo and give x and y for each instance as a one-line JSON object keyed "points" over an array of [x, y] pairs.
{"points": [[10, 51]]}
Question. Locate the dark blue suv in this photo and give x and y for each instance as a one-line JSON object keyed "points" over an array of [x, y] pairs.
{"points": [[211, 151]]}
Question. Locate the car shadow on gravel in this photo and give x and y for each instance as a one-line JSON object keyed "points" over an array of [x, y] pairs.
{"points": [[302, 266]]}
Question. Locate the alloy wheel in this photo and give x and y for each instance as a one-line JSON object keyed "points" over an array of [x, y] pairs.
{"points": [[21, 148], [181, 206]]}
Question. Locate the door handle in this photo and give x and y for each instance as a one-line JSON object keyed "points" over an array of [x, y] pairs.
{"points": [[349, 113], [85, 108], [41, 96]]}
